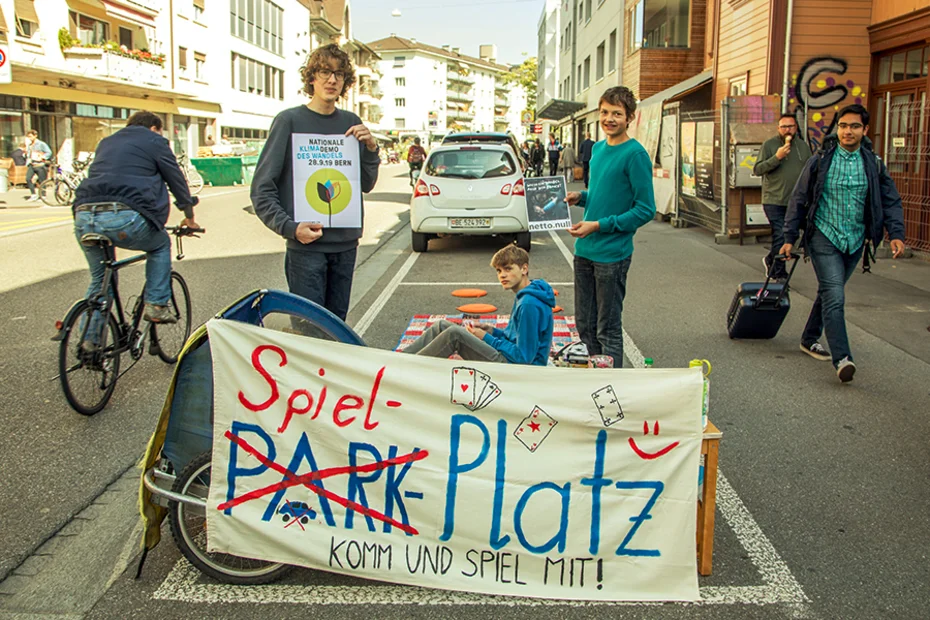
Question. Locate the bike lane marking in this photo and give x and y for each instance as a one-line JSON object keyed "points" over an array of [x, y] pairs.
{"points": [[9, 229], [780, 586]]}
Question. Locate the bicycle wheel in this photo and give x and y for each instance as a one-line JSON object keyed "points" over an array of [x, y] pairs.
{"points": [[194, 180], [88, 377], [64, 195], [189, 528], [171, 337], [46, 191]]}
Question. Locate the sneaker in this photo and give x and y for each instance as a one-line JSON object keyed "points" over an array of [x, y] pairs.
{"points": [[845, 370], [33, 198], [816, 351], [158, 314]]}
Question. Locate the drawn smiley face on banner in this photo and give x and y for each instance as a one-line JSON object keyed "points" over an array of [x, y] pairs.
{"points": [[335, 187]]}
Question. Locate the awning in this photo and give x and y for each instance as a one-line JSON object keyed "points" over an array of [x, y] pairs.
{"points": [[131, 13], [679, 89], [26, 11], [382, 137], [557, 109], [2, 21]]}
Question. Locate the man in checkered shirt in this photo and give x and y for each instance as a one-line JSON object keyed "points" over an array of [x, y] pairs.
{"points": [[845, 200]]}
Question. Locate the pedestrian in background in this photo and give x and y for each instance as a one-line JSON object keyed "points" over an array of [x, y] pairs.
{"points": [[584, 154], [620, 201], [779, 162], [539, 157], [846, 201], [554, 149], [38, 157], [416, 155], [319, 264], [567, 163]]}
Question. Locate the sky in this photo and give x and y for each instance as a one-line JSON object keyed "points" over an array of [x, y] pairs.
{"points": [[466, 24]]}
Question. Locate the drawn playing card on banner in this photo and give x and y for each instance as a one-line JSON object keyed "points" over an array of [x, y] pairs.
{"points": [[463, 387], [490, 393], [327, 185], [607, 405], [534, 428], [481, 384]]}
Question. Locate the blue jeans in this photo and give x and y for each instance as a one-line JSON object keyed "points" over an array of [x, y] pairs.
{"points": [[599, 292], [323, 278], [776, 215], [130, 230], [833, 269]]}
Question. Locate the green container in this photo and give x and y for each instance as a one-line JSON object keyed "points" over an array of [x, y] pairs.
{"points": [[248, 167], [220, 171]]}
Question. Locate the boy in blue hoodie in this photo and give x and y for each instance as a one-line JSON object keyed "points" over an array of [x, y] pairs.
{"points": [[528, 336]]}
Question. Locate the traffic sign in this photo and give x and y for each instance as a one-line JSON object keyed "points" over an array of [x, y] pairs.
{"points": [[527, 117], [6, 72], [537, 128]]}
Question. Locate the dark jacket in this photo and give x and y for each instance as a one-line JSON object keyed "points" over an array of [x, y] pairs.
{"points": [[584, 153], [132, 167], [883, 203]]}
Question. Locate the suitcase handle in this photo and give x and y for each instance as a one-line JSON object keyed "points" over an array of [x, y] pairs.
{"points": [[768, 278]]}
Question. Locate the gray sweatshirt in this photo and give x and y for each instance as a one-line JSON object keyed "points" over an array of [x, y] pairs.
{"points": [[780, 175], [273, 182]]}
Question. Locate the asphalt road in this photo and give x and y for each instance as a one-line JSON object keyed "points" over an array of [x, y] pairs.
{"points": [[824, 492]]}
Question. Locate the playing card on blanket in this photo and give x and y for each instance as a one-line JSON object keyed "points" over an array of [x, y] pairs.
{"points": [[607, 405], [534, 428], [463, 387]]}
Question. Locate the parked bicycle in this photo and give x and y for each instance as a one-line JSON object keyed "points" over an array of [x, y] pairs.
{"points": [[194, 179], [88, 374], [58, 190]]}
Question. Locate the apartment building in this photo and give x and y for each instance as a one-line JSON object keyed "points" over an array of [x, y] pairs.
{"points": [[434, 90], [550, 40], [210, 68]]}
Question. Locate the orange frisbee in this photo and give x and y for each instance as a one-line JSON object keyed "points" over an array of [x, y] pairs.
{"points": [[477, 308], [469, 292]]}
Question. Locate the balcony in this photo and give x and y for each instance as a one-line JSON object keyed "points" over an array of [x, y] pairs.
{"points": [[459, 115], [454, 77], [501, 124], [459, 97], [501, 102], [501, 87], [100, 63]]}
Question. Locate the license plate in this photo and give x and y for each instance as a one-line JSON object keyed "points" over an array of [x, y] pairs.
{"points": [[469, 222]]}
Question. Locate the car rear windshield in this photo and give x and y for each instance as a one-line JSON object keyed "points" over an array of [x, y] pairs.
{"points": [[470, 164]]}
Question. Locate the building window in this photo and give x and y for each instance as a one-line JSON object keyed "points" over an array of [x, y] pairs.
{"points": [[87, 30], [658, 23], [400, 61], [200, 62], [27, 20], [259, 22], [612, 59], [125, 37], [399, 123], [903, 65], [182, 61], [738, 86], [400, 102], [599, 62], [587, 72], [578, 81], [587, 10], [400, 81], [198, 10], [257, 77]]}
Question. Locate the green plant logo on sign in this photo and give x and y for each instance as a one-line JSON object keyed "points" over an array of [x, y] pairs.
{"points": [[328, 192]]}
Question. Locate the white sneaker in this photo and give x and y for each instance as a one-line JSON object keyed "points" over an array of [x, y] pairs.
{"points": [[816, 351], [32, 198], [845, 370]]}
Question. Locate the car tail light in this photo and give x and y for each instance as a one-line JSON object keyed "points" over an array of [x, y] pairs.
{"points": [[433, 190], [506, 190], [518, 189], [421, 190]]}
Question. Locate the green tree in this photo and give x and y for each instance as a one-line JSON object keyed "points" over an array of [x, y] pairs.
{"points": [[524, 75]]}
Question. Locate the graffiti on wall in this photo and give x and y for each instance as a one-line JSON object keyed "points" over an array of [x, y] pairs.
{"points": [[818, 89]]}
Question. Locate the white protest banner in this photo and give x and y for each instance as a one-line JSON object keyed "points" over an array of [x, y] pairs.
{"points": [[496, 478], [327, 185], [546, 208]]}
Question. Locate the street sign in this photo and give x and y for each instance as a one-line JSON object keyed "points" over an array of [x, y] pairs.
{"points": [[527, 117], [6, 72], [537, 128]]}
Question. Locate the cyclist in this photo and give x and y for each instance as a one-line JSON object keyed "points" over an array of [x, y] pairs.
{"points": [[416, 155], [124, 198]]}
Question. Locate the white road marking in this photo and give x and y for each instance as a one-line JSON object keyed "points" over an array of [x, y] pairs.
{"points": [[779, 587], [472, 284], [368, 318]]}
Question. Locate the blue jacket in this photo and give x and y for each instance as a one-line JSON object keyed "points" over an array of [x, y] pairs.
{"points": [[132, 167], [528, 336], [883, 203]]}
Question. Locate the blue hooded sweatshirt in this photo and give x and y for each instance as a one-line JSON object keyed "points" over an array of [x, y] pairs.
{"points": [[528, 336]]}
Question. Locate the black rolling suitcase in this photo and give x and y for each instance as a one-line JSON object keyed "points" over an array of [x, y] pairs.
{"points": [[759, 308]]}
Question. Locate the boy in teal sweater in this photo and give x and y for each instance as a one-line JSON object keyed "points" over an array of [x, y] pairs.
{"points": [[618, 202]]}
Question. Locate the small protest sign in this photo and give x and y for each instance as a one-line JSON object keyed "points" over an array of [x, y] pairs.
{"points": [[546, 208], [327, 173]]}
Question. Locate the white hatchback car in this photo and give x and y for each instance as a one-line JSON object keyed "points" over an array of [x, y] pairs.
{"points": [[469, 189]]}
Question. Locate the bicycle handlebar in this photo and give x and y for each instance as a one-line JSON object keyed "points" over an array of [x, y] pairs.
{"points": [[184, 231]]}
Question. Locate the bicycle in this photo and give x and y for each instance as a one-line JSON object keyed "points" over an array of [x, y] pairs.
{"points": [[59, 190], [90, 367], [194, 178]]}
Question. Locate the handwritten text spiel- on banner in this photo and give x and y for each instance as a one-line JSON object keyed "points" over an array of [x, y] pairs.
{"points": [[496, 478]]}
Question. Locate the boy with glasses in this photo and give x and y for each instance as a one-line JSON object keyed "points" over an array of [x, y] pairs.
{"points": [[318, 264], [846, 199], [779, 163]]}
